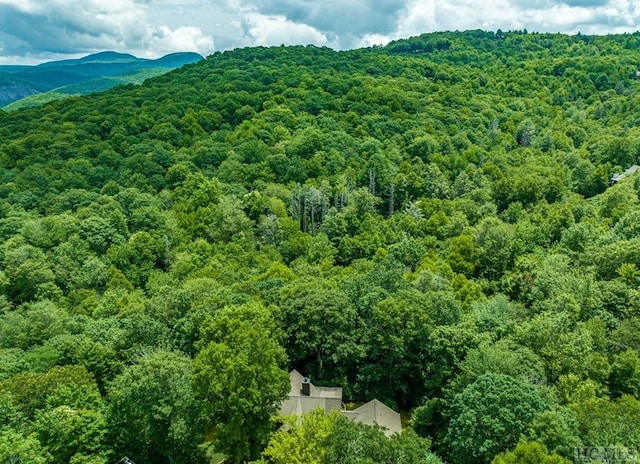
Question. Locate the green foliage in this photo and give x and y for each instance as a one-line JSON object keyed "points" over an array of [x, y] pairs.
{"points": [[625, 373], [489, 416], [564, 347], [356, 443], [303, 440], [557, 430], [25, 268], [152, 411], [603, 422], [319, 320], [10, 415], [501, 357], [15, 447], [332, 438], [238, 380], [529, 453], [398, 337], [31, 324], [65, 432], [61, 385]]}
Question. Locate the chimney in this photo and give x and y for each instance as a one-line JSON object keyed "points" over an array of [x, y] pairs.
{"points": [[306, 386]]}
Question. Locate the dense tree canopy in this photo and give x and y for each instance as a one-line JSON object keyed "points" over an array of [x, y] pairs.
{"points": [[430, 223]]}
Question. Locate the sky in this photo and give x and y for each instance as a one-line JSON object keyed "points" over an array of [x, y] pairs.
{"points": [[33, 31]]}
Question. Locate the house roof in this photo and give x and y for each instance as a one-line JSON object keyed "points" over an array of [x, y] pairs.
{"points": [[377, 413], [617, 177], [297, 379], [298, 405], [326, 398], [330, 398]]}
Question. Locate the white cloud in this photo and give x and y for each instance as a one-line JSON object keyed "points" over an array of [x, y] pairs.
{"points": [[431, 15], [568, 16], [38, 28], [277, 29], [52, 27], [369, 40], [165, 40], [560, 17]]}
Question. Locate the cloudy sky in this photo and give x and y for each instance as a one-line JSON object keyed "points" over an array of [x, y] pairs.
{"points": [[32, 31]]}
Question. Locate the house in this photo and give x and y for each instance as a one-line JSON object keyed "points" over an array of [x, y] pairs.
{"points": [[305, 397], [618, 177], [125, 460], [376, 412]]}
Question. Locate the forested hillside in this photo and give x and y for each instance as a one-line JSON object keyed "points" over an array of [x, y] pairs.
{"points": [[22, 86], [428, 223]]}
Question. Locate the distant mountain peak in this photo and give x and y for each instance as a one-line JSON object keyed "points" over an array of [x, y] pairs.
{"points": [[100, 57], [179, 59], [110, 56], [89, 74]]}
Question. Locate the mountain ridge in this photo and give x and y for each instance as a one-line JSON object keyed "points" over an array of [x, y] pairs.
{"points": [[18, 82]]}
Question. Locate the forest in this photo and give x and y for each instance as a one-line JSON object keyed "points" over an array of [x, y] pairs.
{"points": [[431, 223]]}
